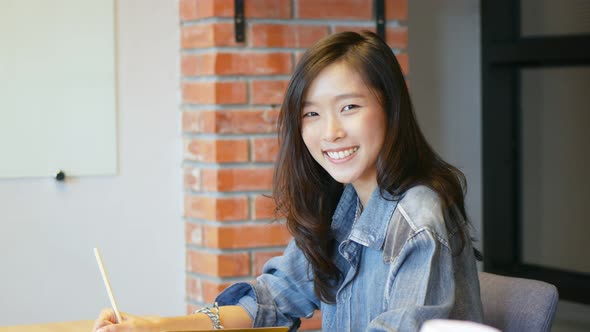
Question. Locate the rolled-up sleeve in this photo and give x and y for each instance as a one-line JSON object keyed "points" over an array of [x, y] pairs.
{"points": [[421, 285], [281, 295]]}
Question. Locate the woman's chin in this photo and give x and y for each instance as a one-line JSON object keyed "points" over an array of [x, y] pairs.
{"points": [[342, 178]]}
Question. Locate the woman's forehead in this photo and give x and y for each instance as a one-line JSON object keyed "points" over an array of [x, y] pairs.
{"points": [[337, 81]]}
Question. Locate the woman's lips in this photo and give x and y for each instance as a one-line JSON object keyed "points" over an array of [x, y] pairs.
{"points": [[340, 156]]}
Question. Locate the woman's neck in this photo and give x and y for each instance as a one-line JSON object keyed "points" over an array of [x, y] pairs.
{"points": [[364, 190]]}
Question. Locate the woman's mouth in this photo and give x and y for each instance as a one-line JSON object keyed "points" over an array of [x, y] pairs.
{"points": [[342, 154]]}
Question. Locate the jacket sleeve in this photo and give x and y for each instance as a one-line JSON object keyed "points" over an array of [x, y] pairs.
{"points": [[420, 287], [280, 296]]}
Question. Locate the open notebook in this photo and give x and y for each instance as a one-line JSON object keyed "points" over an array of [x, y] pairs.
{"points": [[253, 329]]}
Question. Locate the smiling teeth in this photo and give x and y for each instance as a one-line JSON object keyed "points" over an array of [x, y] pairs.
{"points": [[341, 154]]}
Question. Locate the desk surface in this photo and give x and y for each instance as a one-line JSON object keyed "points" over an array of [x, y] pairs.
{"points": [[77, 326]]}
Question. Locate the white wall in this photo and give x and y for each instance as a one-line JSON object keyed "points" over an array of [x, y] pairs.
{"points": [[445, 83], [48, 230]]}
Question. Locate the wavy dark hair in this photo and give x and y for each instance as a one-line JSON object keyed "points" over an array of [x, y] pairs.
{"points": [[306, 195]]}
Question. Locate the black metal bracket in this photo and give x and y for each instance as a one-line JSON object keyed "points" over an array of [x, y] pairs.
{"points": [[239, 21], [379, 6]]}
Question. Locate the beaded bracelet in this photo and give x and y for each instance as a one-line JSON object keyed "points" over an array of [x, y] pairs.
{"points": [[214, 316]]}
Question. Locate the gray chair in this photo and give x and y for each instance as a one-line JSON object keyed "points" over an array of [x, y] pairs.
{"points": [[516, 304]]}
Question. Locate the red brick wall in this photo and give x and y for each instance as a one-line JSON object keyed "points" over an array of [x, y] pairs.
{"points": [[231, 94]]}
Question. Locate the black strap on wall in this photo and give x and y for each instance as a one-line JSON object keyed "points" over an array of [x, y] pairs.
{"points": [[239, 21], [379, 6]]}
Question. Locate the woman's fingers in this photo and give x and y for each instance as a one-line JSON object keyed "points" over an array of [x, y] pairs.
{"points": [[106, 317], [99, 324], [106, 322], [108, 314]]}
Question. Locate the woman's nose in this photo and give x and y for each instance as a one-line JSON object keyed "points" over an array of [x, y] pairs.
{"points": [[333, 130]]}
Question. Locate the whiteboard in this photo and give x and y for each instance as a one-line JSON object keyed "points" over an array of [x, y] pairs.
{"points": [[57, 88]]}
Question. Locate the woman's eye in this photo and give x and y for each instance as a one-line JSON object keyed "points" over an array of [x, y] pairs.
{"points": [[349, 107], [309, 114]]}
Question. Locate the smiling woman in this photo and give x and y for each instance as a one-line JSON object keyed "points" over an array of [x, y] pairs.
{"points": [[380, 237], [381, 240], [343, 127]]}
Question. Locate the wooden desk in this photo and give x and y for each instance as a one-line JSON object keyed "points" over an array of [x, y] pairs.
{"points": [[77, 326]]}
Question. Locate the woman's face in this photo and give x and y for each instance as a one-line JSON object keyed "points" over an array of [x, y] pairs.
{"points": [[343, 126]]}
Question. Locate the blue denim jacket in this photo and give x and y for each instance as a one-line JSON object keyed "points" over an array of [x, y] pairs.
{"points": [[401, 268]]}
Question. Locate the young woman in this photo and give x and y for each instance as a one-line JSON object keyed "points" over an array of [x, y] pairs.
{"points": [[380, 237]]}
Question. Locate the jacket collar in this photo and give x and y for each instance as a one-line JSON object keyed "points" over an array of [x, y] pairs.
{"points": [[371, 227]]}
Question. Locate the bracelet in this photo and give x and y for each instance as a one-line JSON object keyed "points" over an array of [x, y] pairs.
{"points": [[214, 316]]}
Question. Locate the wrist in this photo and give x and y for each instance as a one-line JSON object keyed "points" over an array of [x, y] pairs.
{"points": [[213, 314]]}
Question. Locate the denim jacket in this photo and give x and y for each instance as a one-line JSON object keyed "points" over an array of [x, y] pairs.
{"points": [[401, 267]]}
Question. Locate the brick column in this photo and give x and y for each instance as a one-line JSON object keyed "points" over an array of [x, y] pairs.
{"points": [[231, 95]]}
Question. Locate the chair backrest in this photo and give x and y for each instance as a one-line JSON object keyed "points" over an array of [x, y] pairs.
{"points": [[516, 304]]}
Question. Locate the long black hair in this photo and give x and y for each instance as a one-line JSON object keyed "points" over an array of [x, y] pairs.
{"points": [[306, 195]]}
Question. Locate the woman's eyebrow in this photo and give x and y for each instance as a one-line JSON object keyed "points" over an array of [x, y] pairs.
{"points": [[337, 97], [349, 96]]}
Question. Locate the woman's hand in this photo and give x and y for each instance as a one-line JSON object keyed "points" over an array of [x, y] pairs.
{"points": [[232, 316], [106, 322]]}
